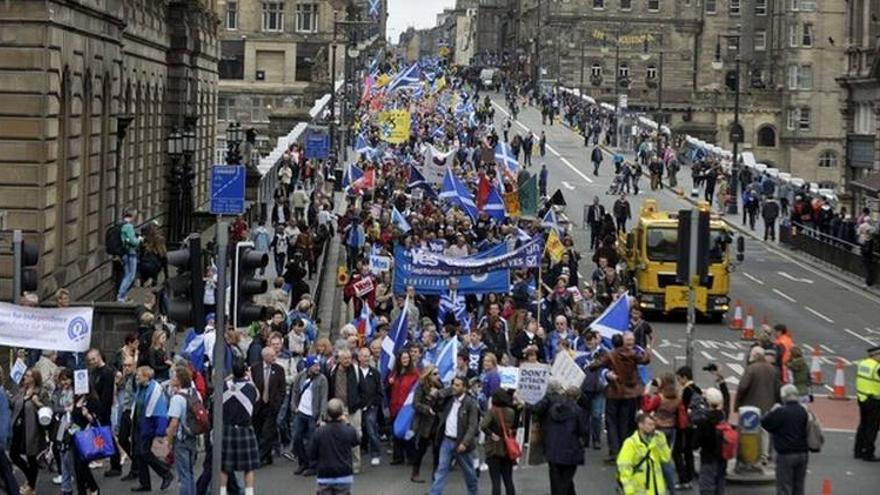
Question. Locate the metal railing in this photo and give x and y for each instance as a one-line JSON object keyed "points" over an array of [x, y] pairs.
{"points": [[832, 250]]}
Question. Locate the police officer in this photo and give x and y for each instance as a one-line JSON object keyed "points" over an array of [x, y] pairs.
{"points": [[868, 391]]}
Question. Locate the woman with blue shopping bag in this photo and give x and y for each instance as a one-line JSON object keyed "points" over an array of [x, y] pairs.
{"points": [[92, 441]]}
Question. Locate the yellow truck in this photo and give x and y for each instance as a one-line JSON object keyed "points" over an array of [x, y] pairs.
{"points": [[650, 255]]}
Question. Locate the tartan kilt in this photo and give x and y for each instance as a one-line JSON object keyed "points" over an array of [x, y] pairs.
{"points": [[240, 449]]}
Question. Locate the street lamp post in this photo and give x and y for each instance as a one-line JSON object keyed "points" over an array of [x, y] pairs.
{"points": [[333, 85], [174, 143], [190, 144]]}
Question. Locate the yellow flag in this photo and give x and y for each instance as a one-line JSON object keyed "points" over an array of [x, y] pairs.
{"points": [[394, 126], [382, 80], [554, 246], [441, 83]]}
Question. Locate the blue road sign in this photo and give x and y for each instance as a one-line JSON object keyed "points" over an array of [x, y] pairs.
{"points": [[227, 189], [317, 145]]}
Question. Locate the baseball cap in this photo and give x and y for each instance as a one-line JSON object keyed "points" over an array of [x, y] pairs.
{"points": [[710, 367], [311, 361]]}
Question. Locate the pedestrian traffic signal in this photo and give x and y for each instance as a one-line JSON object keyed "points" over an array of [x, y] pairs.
{"points": [[186, 290], [245, 284]]}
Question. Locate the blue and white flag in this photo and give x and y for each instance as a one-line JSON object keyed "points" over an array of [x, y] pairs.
{"points": [[407, 77], [614, 320], [417, 180], [362, 146], [399, 221], [550, 220], [455, 307], [374, 7], [394, 341], [456, 193], [419, 93], [365, 323], [504, 156], [352, 174], [194, 349], [446, 361], [472, 119], [495, 205], [403, 422]]}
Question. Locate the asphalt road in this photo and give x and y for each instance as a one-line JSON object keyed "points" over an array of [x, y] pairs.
{"points": [[823, 311]]}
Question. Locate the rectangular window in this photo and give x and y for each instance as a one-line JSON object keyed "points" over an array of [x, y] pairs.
{"points": [[651, 72], [231, 16], [794, 115], [623, 72], [598, 4], [808, 5], [596, 70], [800, 77], [807, 35], [711, 6], [760, 41], [273, 16], [760, 7], [654, 5], [793, 37], [734, 7], [307, 17], [804, 119], [626, 5], [733, 44], [794, 5]]}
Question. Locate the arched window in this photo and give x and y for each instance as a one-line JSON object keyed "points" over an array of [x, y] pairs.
{"points": [[827, 159], [596, 70], [651, 72], [767, 136], [623, 71]]}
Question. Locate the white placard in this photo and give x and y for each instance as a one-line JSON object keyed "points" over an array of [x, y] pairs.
{"points": [[509, 377], [533, 380], [566, 372], [81, 382], [380, 264], [59, 329]]}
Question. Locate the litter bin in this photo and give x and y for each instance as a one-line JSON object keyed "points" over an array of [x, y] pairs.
{"points": [[785, 232]]}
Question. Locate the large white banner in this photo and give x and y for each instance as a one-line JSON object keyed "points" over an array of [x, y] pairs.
{"points": [[59, 329]]}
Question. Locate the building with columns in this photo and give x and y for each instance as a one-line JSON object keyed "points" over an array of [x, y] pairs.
{"points": [[91, 89]]}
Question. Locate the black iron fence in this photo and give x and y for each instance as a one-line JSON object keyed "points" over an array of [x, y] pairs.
{"points": [[832, 250]]}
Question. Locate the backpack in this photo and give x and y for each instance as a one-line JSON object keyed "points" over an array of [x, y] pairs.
{"points": [[198, 421], [729, 440], [698, 408], [113, 240]]}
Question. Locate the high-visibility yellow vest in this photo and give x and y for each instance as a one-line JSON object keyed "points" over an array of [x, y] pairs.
{"points": [[867, 380]]}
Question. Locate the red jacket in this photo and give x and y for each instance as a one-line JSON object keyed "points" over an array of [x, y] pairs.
{"points": [[398, 389]]}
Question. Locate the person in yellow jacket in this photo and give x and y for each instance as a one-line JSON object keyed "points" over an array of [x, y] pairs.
{"points": [[640, 461], [868, 391]]}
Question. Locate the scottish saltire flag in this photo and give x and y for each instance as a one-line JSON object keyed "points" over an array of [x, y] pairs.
{"points": [[550, 220], [374, 7], [352, 174], [456, 307], [419, 93], [416, 179], [504, 156], [438, 133], [522, 235], [446, 361], [394, 341], [495, 206], [399, 221], [457, 194], [194, 349], [614, 320], [403, 421], [407, 77], [362, 146]]}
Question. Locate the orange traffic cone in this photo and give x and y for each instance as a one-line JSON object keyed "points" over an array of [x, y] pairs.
{"points": [[749, 328], [839, 391], [816, 367], [737, 322], [826, 487]]}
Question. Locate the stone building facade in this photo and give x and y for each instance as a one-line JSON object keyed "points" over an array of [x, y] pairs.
{"points": [[75, 73]]}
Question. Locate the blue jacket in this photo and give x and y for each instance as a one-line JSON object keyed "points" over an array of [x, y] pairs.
{"points": [[5, 419], [553, 338]]}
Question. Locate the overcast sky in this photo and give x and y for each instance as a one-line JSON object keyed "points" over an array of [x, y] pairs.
{"points": [[416, 13]]}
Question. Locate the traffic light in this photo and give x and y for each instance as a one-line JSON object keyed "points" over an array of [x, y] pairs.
{"points": [[246, 285], [26, 255], [685, 241], [186, 289]]}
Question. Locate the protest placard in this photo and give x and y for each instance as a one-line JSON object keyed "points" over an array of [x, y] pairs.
{"points": [[509, 377], [566, 372], [81, 382], [533, 379]]}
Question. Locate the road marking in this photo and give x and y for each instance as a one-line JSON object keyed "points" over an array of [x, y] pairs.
{"points": [[737, 368], [820, 315], [860, 337], [871, 331], [753, 279], [808, 347], [826, 348], [707, 356], [550, 148], [794, 279], [658, 356], [784, 295], [568, 186]]}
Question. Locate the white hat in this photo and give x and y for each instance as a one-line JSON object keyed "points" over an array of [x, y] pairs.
{"points": [[45, 416]]}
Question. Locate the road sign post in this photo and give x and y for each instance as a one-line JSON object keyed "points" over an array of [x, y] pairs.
{"points": [[219, 356], [227, 189]]}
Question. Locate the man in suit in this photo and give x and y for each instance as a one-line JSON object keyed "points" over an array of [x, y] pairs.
{"points": [[456, 434], [280, 212], [268, 377], [593, 218], [345, 386], [371, 402]]}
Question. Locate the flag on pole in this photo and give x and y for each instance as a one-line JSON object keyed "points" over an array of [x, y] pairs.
{"points": [[407, 77], [483, 189], [554, 246], [495, 206], [403, 421], [614, 320], [194, 349], [456, 308], [550, 220], [399, 220], [362, 147], [457, 194], [504, 156], [528, 197], [366, 181], [417, 180], [394, 341], [364, 324], [446, 361]]}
